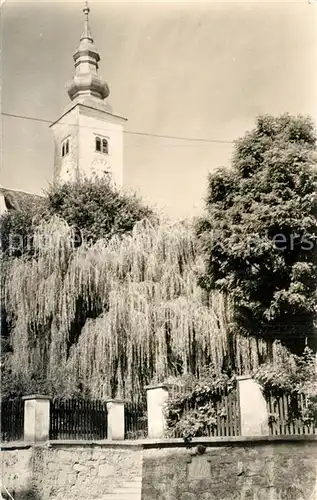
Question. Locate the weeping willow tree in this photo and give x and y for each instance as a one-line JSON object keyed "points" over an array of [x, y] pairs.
{"points": [[112, 316]]}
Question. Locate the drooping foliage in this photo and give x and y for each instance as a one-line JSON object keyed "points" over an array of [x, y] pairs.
{"points": [[259, 233], [93, 207], [106, 318]]}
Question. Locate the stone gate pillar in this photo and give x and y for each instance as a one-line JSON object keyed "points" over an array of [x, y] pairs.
{"points": [[253, 410], [36, 417], [156, 397], [115, 419]]}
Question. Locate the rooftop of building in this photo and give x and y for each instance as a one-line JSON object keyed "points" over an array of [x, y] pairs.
{"points": [[15, 199]]}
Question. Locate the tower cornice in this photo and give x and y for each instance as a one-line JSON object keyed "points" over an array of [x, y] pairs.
{"points": [[92, 106]]}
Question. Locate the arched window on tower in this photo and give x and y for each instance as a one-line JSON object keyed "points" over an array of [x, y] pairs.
{"points": [[65, 147], [102, 145], [105, 146]]}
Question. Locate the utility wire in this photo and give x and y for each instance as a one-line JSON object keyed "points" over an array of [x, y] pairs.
{"points": [[146, 134]]}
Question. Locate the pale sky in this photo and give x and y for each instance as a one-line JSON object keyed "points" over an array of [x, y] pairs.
{"points": [[196, 70]]}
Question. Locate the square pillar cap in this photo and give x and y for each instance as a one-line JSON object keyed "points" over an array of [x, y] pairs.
{"points": [[121, 401], [158, 386], [36, 396]]}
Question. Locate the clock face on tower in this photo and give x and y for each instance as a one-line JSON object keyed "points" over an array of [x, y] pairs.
{"points": [[100, 166], [66, 173]]}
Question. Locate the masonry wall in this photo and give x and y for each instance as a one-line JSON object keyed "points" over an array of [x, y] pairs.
{"points": [[16, 471], [242, 469], [67, 472], [252, 471]]}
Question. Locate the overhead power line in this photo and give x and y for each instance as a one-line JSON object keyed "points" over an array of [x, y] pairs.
{"points": [[129, 132]]}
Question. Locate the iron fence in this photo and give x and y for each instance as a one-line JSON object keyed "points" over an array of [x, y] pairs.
{"points": [[135, 420], [12, 420], [78, 419]]}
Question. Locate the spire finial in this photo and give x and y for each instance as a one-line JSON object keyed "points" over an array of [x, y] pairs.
{"points": [[86, 10], [87, 81], [86, 33]]}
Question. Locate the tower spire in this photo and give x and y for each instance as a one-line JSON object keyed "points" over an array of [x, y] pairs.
{"points": [[86, 33], [87, 81]]}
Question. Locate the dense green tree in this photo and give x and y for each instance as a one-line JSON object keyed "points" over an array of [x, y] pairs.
{"points": [[259, 232], [94, 207]]}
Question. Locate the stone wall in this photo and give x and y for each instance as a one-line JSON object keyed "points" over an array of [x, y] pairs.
{"points": [[237, 469], [254, 471], [16, 469], [67, 472]]}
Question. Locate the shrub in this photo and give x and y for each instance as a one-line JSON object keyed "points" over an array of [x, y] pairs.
{"points": [[293, 375], [193, 411]]}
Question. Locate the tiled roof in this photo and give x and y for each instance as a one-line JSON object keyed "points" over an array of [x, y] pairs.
{"points": [[17, 200]]}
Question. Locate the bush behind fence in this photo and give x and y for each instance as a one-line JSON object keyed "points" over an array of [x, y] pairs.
{"points": [[287, 414], [223, 404]]}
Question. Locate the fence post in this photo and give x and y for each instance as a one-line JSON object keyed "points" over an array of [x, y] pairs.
{"points": [[36, 417], [115, 419], [156, 396], [253, 409]]}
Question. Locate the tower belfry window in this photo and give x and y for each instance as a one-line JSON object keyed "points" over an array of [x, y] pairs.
{"points": [[65, 147], [101, 145], [105, 146]]}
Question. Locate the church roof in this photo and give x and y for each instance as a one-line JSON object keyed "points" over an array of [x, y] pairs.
{"points": [[13, 199]]}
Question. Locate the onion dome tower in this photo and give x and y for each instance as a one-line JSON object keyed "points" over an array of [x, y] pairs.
{"points": [[88, 139], [87, 81]]}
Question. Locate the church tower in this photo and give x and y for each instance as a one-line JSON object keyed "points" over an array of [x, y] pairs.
{"points": [[88, 139]]}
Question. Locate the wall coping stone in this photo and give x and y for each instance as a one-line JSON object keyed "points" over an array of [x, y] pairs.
{"points": [[166, 443], [16, 445], [36, 396], [229, 441], [103, 443]]}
